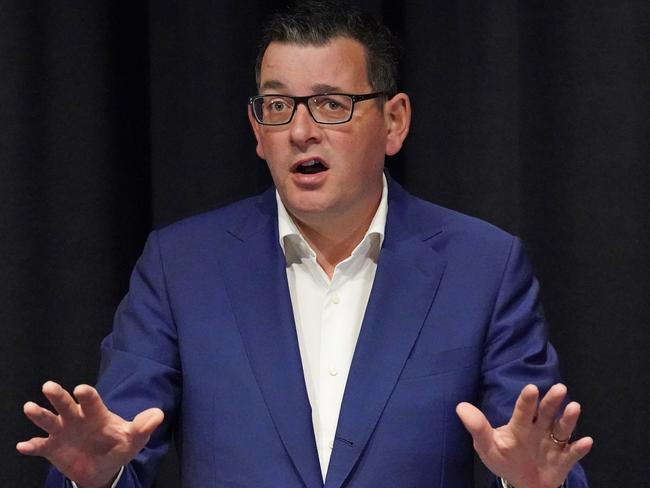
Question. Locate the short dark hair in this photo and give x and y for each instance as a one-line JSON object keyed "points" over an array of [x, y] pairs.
{"points": [[313, 22]]}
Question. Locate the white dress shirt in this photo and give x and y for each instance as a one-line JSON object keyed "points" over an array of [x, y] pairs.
{"points": [[328, 315]]}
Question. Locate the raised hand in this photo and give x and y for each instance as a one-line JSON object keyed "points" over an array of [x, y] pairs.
{"points": [[86, 442], [533, 450]]}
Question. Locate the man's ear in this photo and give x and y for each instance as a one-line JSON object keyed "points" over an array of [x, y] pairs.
{"points": [[397, 114], [259, 149]]}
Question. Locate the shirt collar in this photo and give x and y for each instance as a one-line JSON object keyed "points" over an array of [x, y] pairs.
{"points": [[290, 236]]}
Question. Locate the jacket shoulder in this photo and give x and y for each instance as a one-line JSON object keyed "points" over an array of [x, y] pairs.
{"points": [[450, 226], [221, 222]]}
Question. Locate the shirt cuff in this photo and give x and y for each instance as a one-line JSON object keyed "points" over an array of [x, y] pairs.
{"points": [[114, 485]]}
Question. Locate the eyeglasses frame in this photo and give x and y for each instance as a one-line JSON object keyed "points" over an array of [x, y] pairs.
{"points": [[303, 100]]}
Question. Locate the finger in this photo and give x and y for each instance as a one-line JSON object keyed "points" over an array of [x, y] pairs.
{"points": [[525, 411], [147, 421], [41, 417], [566, 424], [574, 452], [90, 402], [477, 425], [577, 450], [550, 406], [61, 400], [36, 446]]}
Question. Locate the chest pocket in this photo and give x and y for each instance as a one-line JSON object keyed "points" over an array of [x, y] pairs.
{"points": [[441, 362]]}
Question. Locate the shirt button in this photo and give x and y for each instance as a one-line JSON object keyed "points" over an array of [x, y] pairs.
{"points": [[331, 445], [333, 372], [335, 299]]}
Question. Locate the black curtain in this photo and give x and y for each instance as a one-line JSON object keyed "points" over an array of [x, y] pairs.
{"points": [[117, 117]]}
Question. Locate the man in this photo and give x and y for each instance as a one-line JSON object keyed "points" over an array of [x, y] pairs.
{"points": [[328, 331]]}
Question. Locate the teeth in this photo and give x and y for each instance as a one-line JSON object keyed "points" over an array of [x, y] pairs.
{"points": [[311, 167]]}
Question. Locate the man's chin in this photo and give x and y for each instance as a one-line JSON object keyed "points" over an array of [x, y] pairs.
{"points": [[305, 211], [309, 207]]}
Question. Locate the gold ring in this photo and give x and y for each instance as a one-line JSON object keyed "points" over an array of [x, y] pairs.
{"points": [[559, 442]]}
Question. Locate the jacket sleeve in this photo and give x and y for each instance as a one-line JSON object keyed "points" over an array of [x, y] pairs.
{"points": [[517, 349], [140, 367]]}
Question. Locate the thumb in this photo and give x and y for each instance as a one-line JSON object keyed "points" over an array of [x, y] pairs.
{"points": [[477, 425], [147, 421]]}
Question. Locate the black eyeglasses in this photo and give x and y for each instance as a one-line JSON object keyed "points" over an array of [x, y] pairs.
{"points": [[326, 108]]}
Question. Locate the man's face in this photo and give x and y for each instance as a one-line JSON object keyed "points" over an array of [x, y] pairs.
{"points": [[349, 156]]}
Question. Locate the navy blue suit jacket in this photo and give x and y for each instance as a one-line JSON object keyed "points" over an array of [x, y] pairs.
{"points": [[206, 333]]}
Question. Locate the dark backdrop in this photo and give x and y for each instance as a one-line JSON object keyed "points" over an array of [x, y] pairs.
{"points": [[119, 116]]}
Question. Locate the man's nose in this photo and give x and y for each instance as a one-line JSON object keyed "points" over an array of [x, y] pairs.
{"points": [[304, 129]]}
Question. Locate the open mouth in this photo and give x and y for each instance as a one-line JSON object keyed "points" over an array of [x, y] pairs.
{"points": [[311, 167]]}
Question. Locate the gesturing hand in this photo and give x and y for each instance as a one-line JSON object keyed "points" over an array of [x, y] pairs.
{"points": [[86, 442], [532, 449]]}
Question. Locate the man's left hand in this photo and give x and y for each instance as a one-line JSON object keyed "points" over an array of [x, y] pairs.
{"points": [[533, 450]]}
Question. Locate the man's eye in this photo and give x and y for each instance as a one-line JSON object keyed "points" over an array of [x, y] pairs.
{"points": [[332, 105], [277, 105]]}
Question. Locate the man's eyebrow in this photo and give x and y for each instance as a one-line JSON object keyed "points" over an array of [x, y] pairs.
{"points": [[272, 84], [324, 88], [315, 89]]}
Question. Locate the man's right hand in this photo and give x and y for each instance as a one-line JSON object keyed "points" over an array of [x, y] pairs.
{"points": [[86, 442]]}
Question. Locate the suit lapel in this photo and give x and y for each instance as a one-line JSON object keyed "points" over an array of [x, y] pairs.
{"points": [[256, 280], [406, 282]]}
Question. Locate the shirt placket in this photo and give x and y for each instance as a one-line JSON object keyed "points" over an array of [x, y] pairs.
{"points": [[332, 363]]}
